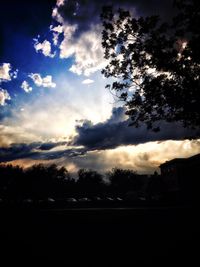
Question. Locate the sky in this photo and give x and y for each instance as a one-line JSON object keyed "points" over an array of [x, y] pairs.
{"points": [[54, 107]]}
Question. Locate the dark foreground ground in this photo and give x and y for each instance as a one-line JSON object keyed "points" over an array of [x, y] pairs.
{"points": [[168, 236]]}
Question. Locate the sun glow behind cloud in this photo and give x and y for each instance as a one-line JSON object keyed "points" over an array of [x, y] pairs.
{"points": [[53, 114], [143, 158]]}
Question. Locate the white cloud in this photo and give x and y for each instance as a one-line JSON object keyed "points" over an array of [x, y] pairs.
{"points": [[55, 38], [87, 50], [87, 81], [42, 82], [14, 74], [56, 32], [66, 47], [5, 72], [55, 12], [36, 78], [58, 28], [14, 133], [44, 47], [47, 82], [26, 87], [56, 15], [60, 2], [4, 95]]}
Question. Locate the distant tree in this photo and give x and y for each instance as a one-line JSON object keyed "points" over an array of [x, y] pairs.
{"points": [[44, 181], [156, 65], [122, 180], [63, 174], [38, 181], [90, 182], [10, 178]]}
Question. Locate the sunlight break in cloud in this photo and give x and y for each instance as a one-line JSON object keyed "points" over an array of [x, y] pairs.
{"points": [[42, 82], [4, 95], [14, 133], [26, 87], [87, 81], [44, 47], [143, 158]]}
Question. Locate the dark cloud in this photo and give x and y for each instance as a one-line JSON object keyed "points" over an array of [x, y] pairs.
{"points": [[84, 13], [108, 135], [115, 132], [35, 150], [50, 145], [16, 151]]}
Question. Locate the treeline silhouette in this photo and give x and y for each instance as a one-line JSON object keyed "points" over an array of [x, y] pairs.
{"points": [[42, 182]]}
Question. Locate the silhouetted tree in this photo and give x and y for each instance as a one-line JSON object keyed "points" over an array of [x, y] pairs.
{"points": [[44, 181], [156, 64], [10, 178], [122, 181], [90, 182]]}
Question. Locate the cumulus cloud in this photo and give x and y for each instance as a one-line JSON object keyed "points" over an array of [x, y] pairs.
{"points": [[116, 132], [60, 2], [14, 74], [5, 69], [86, 50], [4, 95], [79, 21], [42, 82], [44, 47], [26, 87], [6, 73], [87, 12], [57, 30], [87, 81]]}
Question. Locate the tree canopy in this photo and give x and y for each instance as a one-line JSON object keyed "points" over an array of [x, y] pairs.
{"points": [[155, 64]]}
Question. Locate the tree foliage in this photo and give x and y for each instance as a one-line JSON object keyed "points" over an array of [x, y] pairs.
{"points": [[124, 180], [155, 64], [90, 182]]}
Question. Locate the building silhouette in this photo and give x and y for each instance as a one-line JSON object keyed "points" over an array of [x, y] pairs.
{"points": [[181, 177]]}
